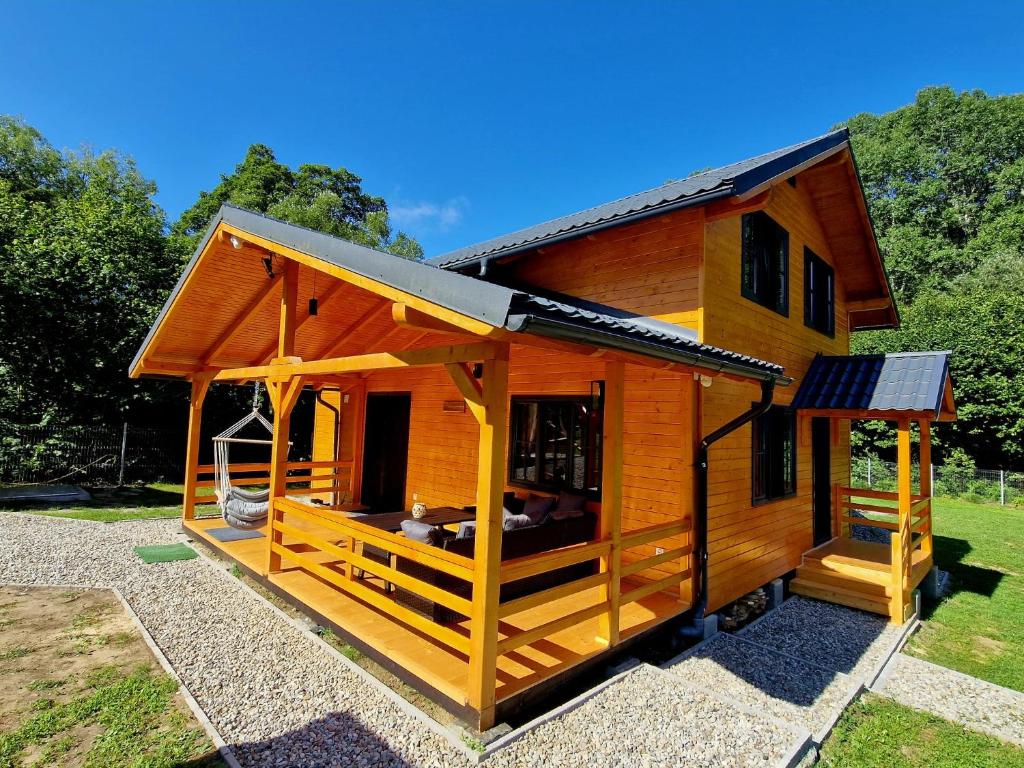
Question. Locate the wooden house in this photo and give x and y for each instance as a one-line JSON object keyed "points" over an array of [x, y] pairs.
{"points": [[618, 420]]}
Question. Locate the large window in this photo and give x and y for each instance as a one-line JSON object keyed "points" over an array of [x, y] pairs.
{"points": [[766, 262], [555, 444], [774, 454], [819, 294]]}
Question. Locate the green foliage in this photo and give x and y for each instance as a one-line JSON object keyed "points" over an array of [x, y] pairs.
{"points": [[944, 178], [316, 196]]}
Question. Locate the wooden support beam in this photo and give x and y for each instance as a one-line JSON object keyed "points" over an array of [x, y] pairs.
{"points": [[722, 209], [468, 387], [483, 642], [456, 353], [406, 316], [324, 300], [283, 395], [256, 305], [611, 498], [200, 386], [901, 545], [925, 450], [289, 310]]}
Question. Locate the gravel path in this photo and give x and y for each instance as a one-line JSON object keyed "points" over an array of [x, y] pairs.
{"points": [[648, 719], [270, 689], [977, 704], [796, 691], [832, 636]]}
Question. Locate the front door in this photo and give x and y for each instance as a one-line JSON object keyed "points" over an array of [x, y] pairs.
{"points": [[386, 451], [821, 451]]}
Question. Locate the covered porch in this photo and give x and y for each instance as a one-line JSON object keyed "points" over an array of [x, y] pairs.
{"points": [[481, 626], [857, 566]]}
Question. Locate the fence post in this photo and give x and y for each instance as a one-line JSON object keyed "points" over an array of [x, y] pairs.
{"points": [[869, 471], [124, 449], [1002, 488]]}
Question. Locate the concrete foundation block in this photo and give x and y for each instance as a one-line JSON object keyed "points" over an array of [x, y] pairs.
{"points": [[776, 590], [929, 586], [710, 625]]}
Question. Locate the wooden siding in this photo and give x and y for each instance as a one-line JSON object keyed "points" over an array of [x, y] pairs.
{"points": [[657, 438], [752, 544]]}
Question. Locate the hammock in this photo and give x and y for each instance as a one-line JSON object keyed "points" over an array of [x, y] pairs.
{"points": [[240, 508]]}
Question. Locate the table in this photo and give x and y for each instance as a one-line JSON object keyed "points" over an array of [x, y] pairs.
{"points": [[392, 521]]}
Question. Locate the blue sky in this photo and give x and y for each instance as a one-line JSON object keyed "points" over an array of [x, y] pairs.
{"points": [[474, 119]]}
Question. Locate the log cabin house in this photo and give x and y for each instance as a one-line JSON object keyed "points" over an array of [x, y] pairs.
{"points": [[620, 420]]}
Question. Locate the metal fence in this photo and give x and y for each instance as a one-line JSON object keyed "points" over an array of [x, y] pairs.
{"points": [[983, 485], [112, 455]]}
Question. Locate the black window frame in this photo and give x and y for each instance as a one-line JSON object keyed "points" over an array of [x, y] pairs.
{"points": [[773, 472], [819, 279], [764, 262], [592, 450]]}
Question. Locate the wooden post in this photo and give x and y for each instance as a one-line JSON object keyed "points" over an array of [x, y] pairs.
{"points": [[926, 484], [900, 546], [611, 499], [483, 641], [200, 386], [284, 395], [289, 300]]}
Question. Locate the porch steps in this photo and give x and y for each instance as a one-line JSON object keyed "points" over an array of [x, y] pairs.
{"points": [[844, 579]]}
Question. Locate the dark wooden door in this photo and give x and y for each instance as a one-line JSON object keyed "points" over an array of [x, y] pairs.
{"points": [[821, 453], [386, 451]]}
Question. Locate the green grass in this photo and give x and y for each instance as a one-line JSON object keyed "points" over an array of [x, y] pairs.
{"points": [[979, 628], [137, 502], [139, 724], [879, 733]]}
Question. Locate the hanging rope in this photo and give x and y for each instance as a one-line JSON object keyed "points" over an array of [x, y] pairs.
{"points": [[240, 508]]}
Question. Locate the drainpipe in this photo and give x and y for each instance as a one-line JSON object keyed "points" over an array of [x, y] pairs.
{"points": [[695, 631]]}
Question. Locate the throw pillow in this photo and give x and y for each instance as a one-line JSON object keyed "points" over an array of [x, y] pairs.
{"points": [[569, 505], [511, 522], [424, 533], [467, 530], [537, 508]]}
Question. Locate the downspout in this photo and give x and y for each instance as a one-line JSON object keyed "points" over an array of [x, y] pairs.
{"points": [[695, 630]]}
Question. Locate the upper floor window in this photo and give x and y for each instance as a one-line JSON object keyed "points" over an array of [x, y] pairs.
{"points": [[774, 454], [555, 444], [766, 262], [819, 294]]}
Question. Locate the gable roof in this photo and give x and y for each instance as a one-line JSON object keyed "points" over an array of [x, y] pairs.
{"points": [[497, 306], [735, 179], [879, 386]]}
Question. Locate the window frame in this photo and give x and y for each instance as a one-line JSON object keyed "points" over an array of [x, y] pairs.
{"points": [[749, 287], [772, 472], [592, 452], [812, 263]]}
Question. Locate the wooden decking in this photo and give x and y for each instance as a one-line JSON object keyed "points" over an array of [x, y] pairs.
{"points": [[854, 573], [431, 666]]}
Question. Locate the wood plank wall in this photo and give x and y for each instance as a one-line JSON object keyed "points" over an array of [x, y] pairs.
{"points": [[750, 545]]}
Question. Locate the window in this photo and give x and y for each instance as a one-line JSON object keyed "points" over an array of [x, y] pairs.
{"points": [[774, 454], [555, 444], [819, 294], [766, 262]]}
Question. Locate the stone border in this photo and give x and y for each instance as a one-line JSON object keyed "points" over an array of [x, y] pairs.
{"points": [[790, 758], [223, 748], [448, 734]]}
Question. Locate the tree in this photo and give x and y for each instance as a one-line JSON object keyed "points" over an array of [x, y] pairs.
{"points": [[85, 271], [316, 196]]}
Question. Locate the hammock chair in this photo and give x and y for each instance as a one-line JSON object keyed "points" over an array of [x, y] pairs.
{"points": [[240, 508]]}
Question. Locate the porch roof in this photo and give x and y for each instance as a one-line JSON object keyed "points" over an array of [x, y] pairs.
{"points": [[496, 307], [892, 386]]}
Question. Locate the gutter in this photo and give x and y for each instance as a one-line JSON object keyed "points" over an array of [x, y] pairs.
{"points": [[555, 329], [695, 631]]}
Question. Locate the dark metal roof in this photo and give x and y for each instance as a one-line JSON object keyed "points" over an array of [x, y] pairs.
{"points": [[501, 307], [735, 179], [894, 383]]}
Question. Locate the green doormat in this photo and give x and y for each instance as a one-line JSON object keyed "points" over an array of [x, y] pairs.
{"points": [[165, 553]]}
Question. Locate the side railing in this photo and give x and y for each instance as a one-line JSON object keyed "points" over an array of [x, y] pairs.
{"points": [[316, 476]]}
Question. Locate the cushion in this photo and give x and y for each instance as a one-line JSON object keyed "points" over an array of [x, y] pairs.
{"points": [[537, 508], [511, 522], [424, 533], [467, 530], [512, 503], [569, 505]]}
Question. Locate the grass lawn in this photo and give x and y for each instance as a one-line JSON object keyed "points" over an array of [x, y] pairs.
{"points": [[137, 502], [879, 733], [79, 687], [979, 628]]}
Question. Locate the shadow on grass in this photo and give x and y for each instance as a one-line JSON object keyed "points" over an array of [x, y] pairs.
{"points": [[950, 554]]}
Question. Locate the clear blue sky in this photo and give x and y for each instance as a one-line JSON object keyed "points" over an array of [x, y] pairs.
{"points": [[474, 119]]}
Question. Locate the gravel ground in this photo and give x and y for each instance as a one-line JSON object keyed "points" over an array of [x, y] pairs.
{"points": [[831, 636], [969, 701], [271, 690], [760, 677], [647, 719]]}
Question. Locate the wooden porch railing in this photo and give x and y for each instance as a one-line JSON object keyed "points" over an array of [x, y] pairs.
{"points": [[910, 527], [325, 475]]}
